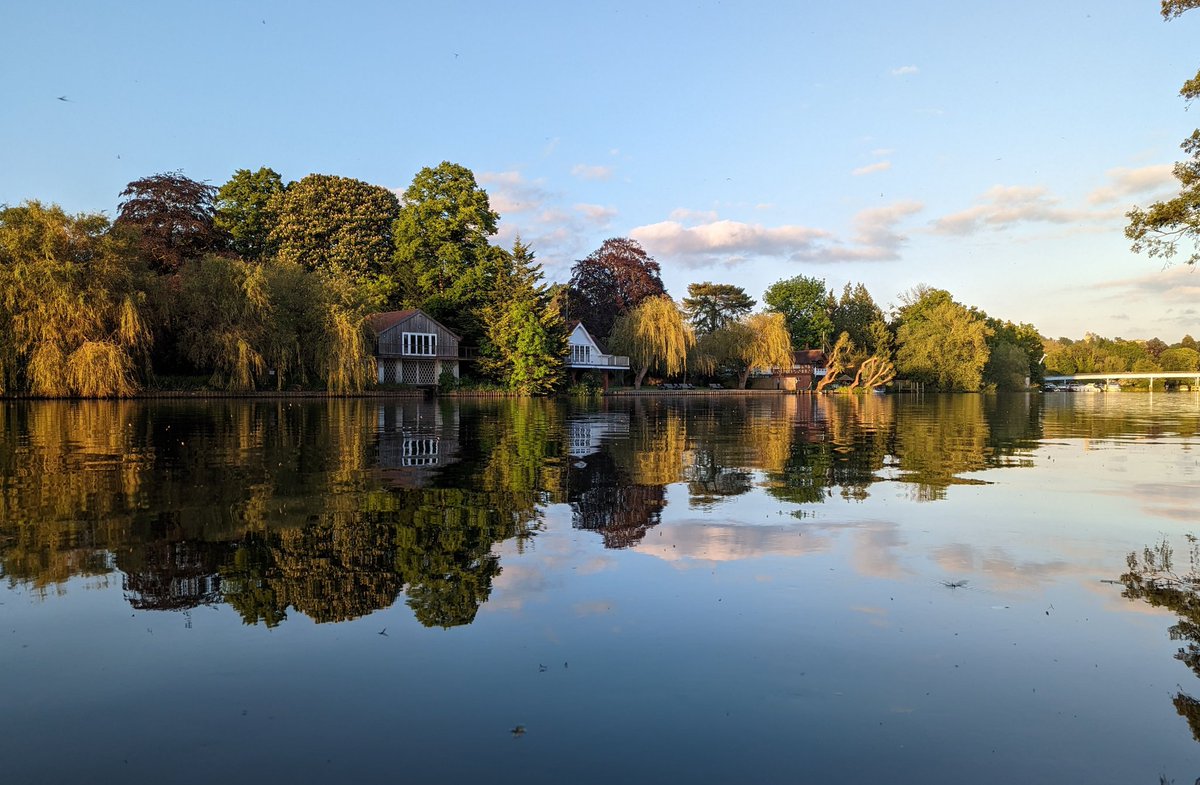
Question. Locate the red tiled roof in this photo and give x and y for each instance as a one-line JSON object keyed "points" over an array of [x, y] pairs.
{"points": [[389, 319], [809, 357]]}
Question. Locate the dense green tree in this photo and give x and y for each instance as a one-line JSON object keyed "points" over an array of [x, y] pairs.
{"points": [[941, 342], [609, 282], [443, 258], [710, 306], [855, 312], [1155, 347], [338, 226], [1187, 342], [1179, 360], [172, 218], [524, 335], [1023, 337], [73, 305], [1007, 366], [654, 335], [246, 210], [804, 303]]}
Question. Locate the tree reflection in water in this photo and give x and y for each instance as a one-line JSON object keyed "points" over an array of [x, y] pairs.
{"points": [[1152, 578], [334, 509]]}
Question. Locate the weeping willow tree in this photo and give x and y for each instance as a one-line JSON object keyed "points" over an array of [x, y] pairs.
{"points": [[278, 325], [221, 310], [757, 343], [73, 314], [346, 361], [655, 336]]}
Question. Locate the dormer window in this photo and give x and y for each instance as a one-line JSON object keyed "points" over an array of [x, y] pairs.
{"points": [[581, 355], [422, 344]]}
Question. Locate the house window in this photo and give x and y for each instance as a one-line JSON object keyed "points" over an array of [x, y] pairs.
{"points": [[581, 355], [419, 343], [420, 451]]}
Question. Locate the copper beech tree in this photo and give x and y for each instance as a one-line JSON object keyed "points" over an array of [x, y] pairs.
{"points": [[610, 281]]}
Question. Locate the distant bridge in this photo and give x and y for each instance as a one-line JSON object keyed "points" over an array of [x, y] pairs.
{"points": [[1192, 376]]}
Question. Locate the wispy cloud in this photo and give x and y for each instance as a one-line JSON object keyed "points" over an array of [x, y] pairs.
{"points": [[728, 243], [1004, 206], [905, 70], [878, 166], [590, 172], [1174, 285], [1130, 182], [597, 213], [686, 214], [509, 192]]}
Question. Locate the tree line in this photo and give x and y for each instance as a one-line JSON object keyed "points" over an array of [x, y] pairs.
{"points": [[260, 284]]}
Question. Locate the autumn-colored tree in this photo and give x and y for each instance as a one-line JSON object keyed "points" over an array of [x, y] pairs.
{"points": [[610, 281], [655, 336], [246, 210], [172, 218]]}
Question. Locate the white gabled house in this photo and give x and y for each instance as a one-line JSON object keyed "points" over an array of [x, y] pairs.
{"points": [[411, 347], [584, 353]]}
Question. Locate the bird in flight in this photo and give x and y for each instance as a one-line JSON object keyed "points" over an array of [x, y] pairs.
{"points": [[64, 98]]}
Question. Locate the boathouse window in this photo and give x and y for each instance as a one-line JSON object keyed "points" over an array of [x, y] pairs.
{"points": [[424, 344], [581, 354]]}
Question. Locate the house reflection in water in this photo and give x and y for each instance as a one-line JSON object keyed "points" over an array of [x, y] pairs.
{"points": [[604, 496], [589, 431], [415, 439]]}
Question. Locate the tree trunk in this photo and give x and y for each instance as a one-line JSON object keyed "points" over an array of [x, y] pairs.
{"points": [[637, 382], [742, 381]]}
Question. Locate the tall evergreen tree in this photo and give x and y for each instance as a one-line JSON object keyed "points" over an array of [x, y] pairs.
{"points": [[710, 306]]}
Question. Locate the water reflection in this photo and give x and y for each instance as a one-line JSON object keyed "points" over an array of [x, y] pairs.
{"points": [[335, 509]]}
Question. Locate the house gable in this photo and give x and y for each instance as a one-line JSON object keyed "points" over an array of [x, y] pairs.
{"points": [[405, 333]]}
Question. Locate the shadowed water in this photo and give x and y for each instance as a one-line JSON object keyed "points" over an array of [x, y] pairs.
{"points": [[768, 589]]}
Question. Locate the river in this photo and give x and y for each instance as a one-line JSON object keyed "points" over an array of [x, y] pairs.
{"points": [[707, 589]]}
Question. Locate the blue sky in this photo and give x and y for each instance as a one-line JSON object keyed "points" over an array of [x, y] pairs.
{"points": [[987, 148]]}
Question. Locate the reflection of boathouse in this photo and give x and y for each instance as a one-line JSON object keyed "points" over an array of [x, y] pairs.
{"points": [[415, 439], [588, 431]]}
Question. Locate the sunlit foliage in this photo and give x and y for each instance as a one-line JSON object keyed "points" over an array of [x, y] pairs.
{"points": [[655, 336], [1160, 228], [73, 315]]}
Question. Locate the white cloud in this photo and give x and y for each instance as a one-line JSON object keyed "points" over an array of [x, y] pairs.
{"points": [[905, 70], [878, 166], [730, 243], [597, 213], [1129, 182], [509, 192], [1004, 206], [589, 172], [879, 152]]}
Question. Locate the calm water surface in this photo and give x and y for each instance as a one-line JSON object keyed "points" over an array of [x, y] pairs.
{"points": [[644, 590]]}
